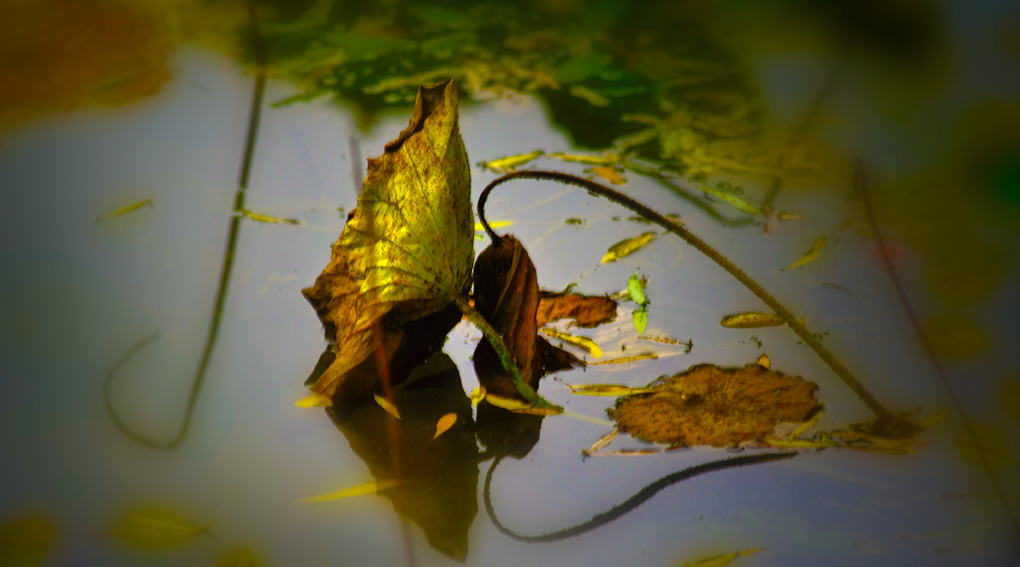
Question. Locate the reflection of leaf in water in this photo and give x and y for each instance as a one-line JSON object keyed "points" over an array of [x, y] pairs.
{"points": [[438, 481], [709, 405], [720, 560], [628, 246], [241, 558], [1009, 397], [156, 528], [406, 253], [988, 440], [962, 270], [58, 55], [954, 335], [27, 541]]}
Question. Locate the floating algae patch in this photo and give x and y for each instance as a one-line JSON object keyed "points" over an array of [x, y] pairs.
{"points": [[709, 405]]}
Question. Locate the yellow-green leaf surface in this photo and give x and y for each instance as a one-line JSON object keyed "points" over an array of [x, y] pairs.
{"points": [[627, 247], [156, 528], [811, 254], [636, 290], [641, 319], [407, 251], [357, 490]]}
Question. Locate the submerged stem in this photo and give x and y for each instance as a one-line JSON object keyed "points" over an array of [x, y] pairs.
{"points": [[504, 354], [254, 114], [887, 422]]}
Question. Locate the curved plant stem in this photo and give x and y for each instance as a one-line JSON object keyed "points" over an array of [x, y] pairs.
{"points": [[228, 261], [616, 512], [504, 354], [861, 190], [888, 423]]}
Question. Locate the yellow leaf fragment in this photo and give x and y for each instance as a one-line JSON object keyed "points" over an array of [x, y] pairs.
{"points": [[578, 341], [156, 528], [591, 97], [764, 361], [494, 225], [601, 443], [609, 159], [357, 490], [626, 359], [773, 441], [386, 405], [720, 560], [517, 406], [125, 210], [610, 174], [751, 320], [509, 163], [314, 401], [789, 216], [627, 247], [607, 390], [445, 423], [806, 425], [627, 453], [258, 217], [477, 395], [811, 255]]}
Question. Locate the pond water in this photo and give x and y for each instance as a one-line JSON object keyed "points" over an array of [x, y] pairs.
{"points": [[77, 294]]}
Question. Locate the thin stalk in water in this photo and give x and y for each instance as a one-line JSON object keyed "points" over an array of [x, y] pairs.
{"points": [[888, 423]]}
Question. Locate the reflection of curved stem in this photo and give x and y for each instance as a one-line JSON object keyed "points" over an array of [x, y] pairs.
{"points": [[228, 259], [861, 190], [633, 502], [893, 424]]}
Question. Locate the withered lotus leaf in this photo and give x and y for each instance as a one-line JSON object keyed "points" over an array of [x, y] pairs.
{"points": [[507, 296], [405, 253], [709, 405]]}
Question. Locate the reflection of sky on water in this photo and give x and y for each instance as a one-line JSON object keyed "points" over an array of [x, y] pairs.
{"points": [[76, 295]]}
